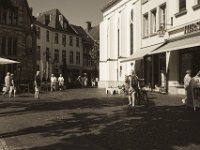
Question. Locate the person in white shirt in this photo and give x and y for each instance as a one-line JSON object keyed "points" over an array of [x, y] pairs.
{"points": [[53, 83], [7, 81], [61, 82], [187, 80]]}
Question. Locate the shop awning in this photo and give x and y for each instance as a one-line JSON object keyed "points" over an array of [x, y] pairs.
{"points": [[141, 53], [7, 61], [178, 44]]}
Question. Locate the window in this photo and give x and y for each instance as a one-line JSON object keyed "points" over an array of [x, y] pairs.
{"points": [[65, 25], [15, 47], [71, 58], [70, 40], [85, 59], [9, 46], [47, 54], [64, 56], [4, 16], [131, 33], [47, 35], [15, 16], [145, 25], [56, 38], [0, 14], [153, 21], [182, 5], [77, 42], [196, 5], [10, 15], [38, 53], [89, 61], [56, 55], [77, 57], [118, 36], [38, 32], [3, 46], [47, 20], [64, 40], [162, 16]]}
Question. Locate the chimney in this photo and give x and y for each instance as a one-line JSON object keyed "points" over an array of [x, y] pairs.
{"points": [[89, 25]]}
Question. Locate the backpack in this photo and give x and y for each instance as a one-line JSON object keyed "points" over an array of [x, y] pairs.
{"points": [[134, 81]]}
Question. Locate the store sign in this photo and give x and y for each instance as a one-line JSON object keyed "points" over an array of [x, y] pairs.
{"points": [[192, 27]]}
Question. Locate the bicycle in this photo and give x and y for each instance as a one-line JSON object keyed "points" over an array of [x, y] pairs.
{"points": [[142, 96]]}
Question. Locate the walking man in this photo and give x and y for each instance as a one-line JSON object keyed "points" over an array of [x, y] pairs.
{"points": [[53, 83], [133, 88], [61, 82]]}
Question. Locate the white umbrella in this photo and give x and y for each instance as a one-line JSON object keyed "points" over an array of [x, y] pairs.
{"points": [[7, 61]]}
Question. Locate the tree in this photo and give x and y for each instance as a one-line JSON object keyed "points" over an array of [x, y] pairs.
{"points": [[94, 53]]}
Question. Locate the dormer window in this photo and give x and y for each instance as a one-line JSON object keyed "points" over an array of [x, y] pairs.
{"points": [[65, 25], [47, 19]]}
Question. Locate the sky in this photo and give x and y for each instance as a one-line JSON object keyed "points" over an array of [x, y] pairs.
{"points": [[76, 11]]}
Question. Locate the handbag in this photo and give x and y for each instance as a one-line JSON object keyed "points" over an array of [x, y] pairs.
{"points": [[4, 89]]}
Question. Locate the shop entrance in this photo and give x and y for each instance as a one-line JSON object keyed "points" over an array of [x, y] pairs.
{"points": [[189, 59], [155, 70]]}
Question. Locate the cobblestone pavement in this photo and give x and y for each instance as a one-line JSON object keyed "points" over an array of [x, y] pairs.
{"points": [[87, 119]]}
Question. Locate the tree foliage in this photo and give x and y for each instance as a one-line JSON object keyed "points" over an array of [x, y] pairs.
{"points": [[95, 53]]}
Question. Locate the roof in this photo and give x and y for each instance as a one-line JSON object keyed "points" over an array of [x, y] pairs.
{"points": [[94, 32], [109, 4], [55, 22], [80, 31]]}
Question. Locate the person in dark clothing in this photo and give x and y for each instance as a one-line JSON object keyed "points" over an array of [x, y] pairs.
{"points": [[37, 83]]}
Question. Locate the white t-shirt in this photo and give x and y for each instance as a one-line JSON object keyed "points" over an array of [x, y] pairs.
{"points": [[61, 80]]}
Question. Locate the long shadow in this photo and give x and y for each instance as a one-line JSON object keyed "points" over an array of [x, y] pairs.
{"points": [[18, 107], [141, 128]]}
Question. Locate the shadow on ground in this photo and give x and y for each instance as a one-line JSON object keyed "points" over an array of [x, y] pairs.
{"points": [[119, 128]]}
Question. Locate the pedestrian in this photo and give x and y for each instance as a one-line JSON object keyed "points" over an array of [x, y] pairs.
{"points": [[187, 80], [134, 88], [37, 83], [79, 81], [85, 80], [12, 86], [7, 83], [53, 83], [126, 86], [61, 82], [93, 82]]}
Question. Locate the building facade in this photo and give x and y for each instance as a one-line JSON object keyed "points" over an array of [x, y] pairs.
{"points": [[182, 45], [119, 38], [165, 42], [17, 39], [61, 46]]}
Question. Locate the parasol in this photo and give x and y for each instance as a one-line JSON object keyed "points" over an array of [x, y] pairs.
{"points": [[7, 61]]}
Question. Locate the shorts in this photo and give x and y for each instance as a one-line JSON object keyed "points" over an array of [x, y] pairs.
{"points": [[12, 88], [37, 89], [131, 90]]}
